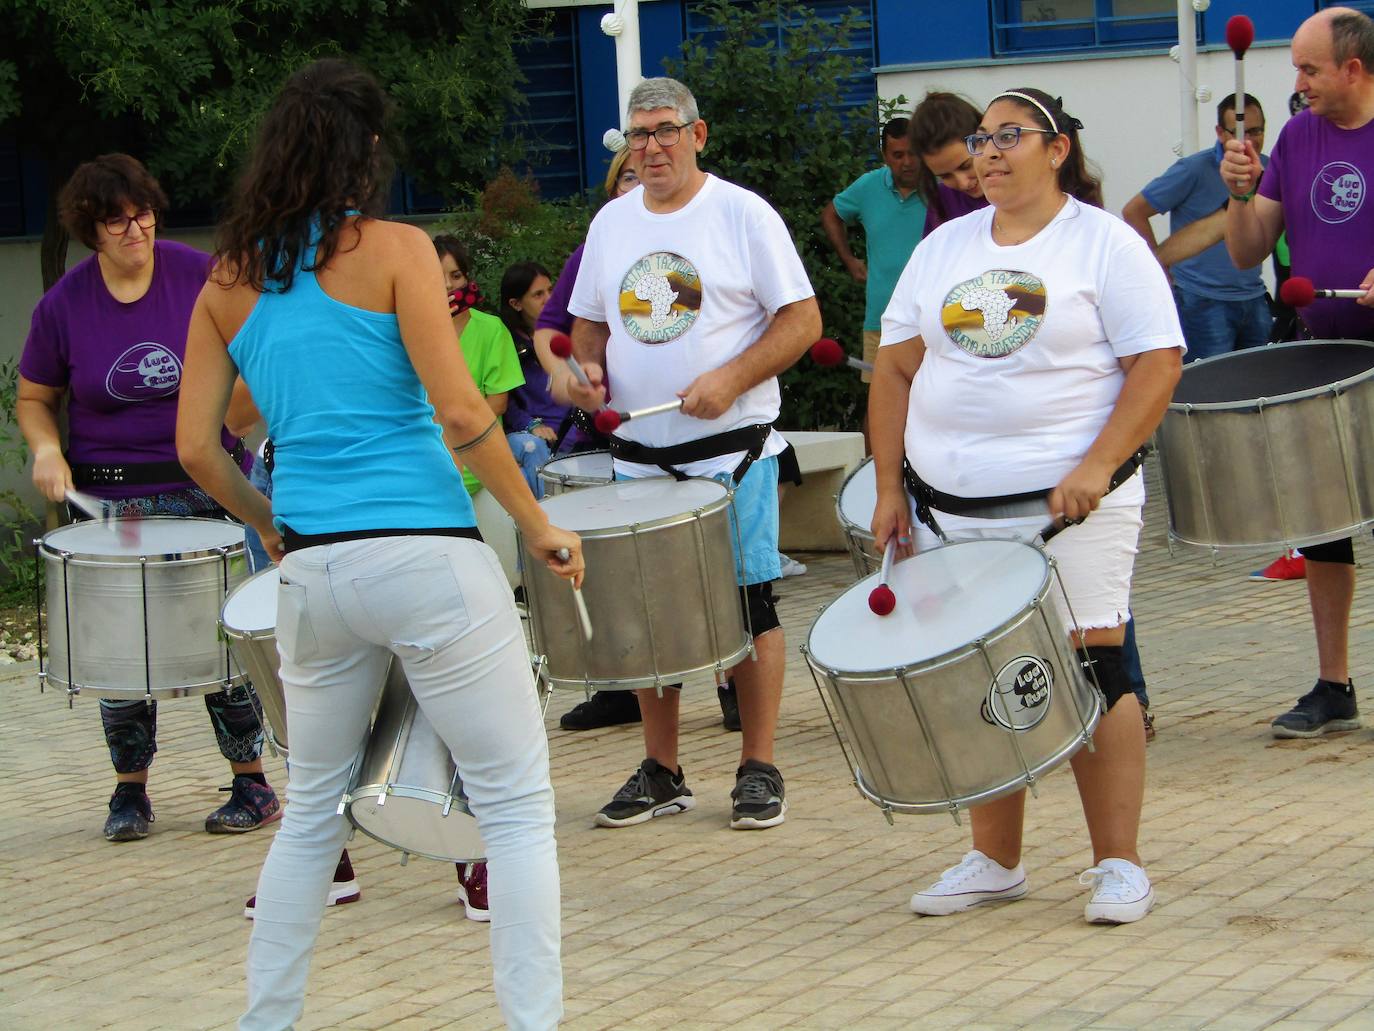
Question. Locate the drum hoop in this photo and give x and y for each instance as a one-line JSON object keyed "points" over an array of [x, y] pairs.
{"points": [[403, 791], [663, 522], [1296, 542], [239, 634], [943, 659], [85, 558], [643, 683], [1255, 404], [135, 693], [839, 498]]}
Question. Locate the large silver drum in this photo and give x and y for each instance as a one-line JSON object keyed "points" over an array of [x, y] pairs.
{"points": [[968, 691], [1271, 447], [405, 790], [573, 472], [249, 622], [133, 606], [660, 586], [854, 509]]}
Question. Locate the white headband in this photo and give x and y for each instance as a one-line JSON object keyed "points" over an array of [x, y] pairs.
{"points": [[1034, 103]]}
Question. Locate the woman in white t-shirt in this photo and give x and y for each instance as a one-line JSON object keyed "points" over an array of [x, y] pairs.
{"points": [[1033, 345]]}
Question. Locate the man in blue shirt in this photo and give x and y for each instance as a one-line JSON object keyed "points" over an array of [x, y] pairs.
{"points": [[1222, 308], [885, 202]]}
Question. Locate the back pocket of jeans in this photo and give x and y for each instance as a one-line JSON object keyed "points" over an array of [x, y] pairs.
{"points": [[421, 606], [295, 634]]}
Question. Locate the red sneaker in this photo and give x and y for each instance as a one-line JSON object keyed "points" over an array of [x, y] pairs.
{"points": [[342, 891], [472, 890], [1288, 566]]}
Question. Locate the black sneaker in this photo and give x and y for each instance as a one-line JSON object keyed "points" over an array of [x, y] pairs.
{"points": [[130, 813], [760, 799], [603, 709], [1326, 708], [729, 706], [651, 791]]}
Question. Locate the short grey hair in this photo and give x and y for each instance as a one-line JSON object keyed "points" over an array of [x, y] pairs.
{"points": [[652, 94]]}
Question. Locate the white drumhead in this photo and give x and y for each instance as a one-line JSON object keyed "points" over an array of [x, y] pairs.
{"points": [[588, 465], [859, 497], [630, 501], [157, 535], [947, 598], [252, 608]]}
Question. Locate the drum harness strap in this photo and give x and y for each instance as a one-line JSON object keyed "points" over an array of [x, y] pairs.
{"points": [[749, 439], [1002, 506], [138, 474]]}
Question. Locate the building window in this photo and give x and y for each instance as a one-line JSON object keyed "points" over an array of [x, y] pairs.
{"points": [[1047, 26]]}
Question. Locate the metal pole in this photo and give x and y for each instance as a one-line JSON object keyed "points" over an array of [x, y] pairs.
{"points": [[1187, 75], [622, 25]]}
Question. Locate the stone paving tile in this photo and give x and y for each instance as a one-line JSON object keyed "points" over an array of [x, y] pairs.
{"points": [[1260, 852]]}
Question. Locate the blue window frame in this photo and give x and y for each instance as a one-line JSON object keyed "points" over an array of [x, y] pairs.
{"points": [[1048, 26]]}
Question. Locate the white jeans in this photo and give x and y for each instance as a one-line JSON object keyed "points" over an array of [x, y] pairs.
{"points": [[443, 606]]}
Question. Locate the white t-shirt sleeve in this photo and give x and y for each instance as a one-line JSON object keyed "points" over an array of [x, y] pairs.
{"points": [[586, 302], [1134, 300], [776, 268], [902, 319]]}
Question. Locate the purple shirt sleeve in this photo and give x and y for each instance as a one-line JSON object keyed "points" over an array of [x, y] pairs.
{"points": [[555, 314], [44, 360]]}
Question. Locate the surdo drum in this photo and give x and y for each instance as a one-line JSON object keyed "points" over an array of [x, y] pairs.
{"points": [[1271, 447], [572, 472], [249, 622], [854, 509], [133, 606], [660, 586], [968, 691]]}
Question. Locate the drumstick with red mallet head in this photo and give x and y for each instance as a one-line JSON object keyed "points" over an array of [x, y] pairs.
{"points": [[583, 616], [881, 600], [608, 420], [1240, 33], [562, 347], [1298, 292], [828, 352]]}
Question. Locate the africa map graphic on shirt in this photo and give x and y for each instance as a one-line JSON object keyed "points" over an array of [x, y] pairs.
{"points": [[660, 298], [994, 313], [1337, 192]]}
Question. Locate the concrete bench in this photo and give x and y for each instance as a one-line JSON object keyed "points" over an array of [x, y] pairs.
{"points": [[807, 514]]}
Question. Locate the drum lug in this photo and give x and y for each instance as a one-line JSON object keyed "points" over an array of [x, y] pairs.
{"points": [[954, 814], [381, 796], [447, 807], [887, 812], [405, 858], [343, 805]]}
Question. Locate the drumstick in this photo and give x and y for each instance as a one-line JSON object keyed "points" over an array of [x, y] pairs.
{"points": [[583, 616], [1298, 292], [608, 420], [99, 510], [1240, 33], [828, 352], [561, 346], [881, 599]]}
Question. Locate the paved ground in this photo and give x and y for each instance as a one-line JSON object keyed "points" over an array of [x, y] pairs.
{"points": [[1261, 853]]}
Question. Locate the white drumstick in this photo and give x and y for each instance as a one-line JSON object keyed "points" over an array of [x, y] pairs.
{"points": [[583, 616], [93, 507]]}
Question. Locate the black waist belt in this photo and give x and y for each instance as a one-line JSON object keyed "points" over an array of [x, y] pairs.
{"points": [[293, 541], [749, 439], [138, 474], [1002, 506]]}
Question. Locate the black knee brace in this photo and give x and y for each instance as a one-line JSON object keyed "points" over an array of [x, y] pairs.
{"points": [[1104, 662], [759, 608]]}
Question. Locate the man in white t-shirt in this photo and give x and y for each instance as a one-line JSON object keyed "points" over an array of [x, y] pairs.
{"points": [[690, 287]]}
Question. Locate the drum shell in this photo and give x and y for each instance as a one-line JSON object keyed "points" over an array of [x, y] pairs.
{"points": [[403, 780], [255, 651], [97, 602], [663, 601], [858, 537], [923, 738], [557, 482], [1285, 472]]}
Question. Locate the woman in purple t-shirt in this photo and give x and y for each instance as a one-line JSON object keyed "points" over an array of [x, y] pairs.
{"points": [[109, 339], [947, 181]]}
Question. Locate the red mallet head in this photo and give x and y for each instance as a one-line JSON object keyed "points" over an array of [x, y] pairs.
{"points": [[1297, 292], [826, 351], [561, 345], [1240, 33], [606, 421], [881, 600]]}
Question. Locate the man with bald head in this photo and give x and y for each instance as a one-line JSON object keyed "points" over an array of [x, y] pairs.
{"points": [[1317, 188]]}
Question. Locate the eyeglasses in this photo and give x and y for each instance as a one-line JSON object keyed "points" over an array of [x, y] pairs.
{"points": [[1002, 139], [118, 225], [667, 135]]}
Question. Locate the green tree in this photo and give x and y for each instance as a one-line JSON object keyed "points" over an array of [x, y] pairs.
{"points": [[181, 83], [769, 80]]}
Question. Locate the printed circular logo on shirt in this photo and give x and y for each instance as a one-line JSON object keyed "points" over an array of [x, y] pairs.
{"points": [[1337, 192], [143, 372], [1019, 696], [660, 298], [994, 314]]}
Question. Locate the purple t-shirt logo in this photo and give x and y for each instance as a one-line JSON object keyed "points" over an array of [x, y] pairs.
{"points": [[1337, 192], [143, 372]]}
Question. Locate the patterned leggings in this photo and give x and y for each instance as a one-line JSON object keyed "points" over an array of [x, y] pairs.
{"points": [[236, 716]]}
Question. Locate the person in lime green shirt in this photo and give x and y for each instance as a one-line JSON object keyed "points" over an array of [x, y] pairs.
{"points": [[485, 340]]}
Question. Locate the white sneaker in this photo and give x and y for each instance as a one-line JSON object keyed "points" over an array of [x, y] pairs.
{"points": [[1121, 892], [790, 566], [975, 881]]}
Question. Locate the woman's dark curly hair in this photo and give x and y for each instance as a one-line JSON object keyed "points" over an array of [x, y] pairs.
{"points": [[321, 152], [101, 188]]}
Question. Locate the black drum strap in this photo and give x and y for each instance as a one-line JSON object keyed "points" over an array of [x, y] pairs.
{"points": [[749, 439]]}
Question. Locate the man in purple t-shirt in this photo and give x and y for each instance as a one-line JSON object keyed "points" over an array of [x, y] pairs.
{"points": [[1317, 188]]}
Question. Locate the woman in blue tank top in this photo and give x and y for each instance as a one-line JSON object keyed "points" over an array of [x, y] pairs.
{"points": [[339, 324]]}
